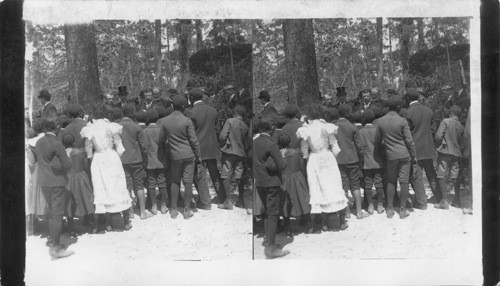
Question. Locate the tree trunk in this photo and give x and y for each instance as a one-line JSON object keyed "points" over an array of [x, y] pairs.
{"points": [[184, 37], [404, 42], [390, 52], [380, 53], [158, 79], [169, 75], [232, 60], [300, 58], [420, 28], [83, 72], [199, 35]]}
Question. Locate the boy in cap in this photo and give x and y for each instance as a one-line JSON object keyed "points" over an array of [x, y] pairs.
{"points": [[268, 182], [234, 137], [449, 138], [394, 134], [372, 162], [293, 114], [132, 161], [155, 177], [177, 131], [348, 159]]}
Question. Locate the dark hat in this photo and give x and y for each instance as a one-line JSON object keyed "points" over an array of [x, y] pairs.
{"points": [[291, 110], [394, 102], [74, 110], [179, 101], [344, 110], [368, 116], [196, 93], [116, 113], [122, 90], [455, 109], [141, 116], [412, 94], [341, 91], [44, 94], [264, 95]]}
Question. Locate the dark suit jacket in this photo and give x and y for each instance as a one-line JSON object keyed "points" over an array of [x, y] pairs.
{"points": [[372, 156], [394, 134], [178, 132], [151, 137], [234, 136], [53, 163], [450, 137], [290, 129], [419, 118], [264, 149], [269, 110], [204, 118], [361, 106], [348, 140], [49, 111], [74, 128], [132, 141]]}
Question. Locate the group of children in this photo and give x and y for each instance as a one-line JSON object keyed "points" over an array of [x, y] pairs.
{"points": [[377, 150], [154, 149]]}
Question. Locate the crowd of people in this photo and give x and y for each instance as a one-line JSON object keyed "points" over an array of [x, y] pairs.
{"points": [[125, 154], [317, 163]]}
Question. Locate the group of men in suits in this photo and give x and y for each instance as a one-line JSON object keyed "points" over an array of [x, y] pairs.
{"points": [[404, 143]]}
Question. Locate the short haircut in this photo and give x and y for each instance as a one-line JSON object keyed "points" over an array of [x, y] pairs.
{"points": [[115, 114], [239, 110], [364, 90], [357, 117], [161, 111], [196, 94], [455, 110], [75, 110], [344, 110], [333, 114], [394, 103], [283, 141], [50, 125], [315, 111], [412, 94], [368, 116], [68, 140], [267, 124], [152, 116], [128, 110], [38, 125], [140, 116]]}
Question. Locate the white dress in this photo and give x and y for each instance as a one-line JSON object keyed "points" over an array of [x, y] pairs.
{"points": [[323, 175], [104, 145]]}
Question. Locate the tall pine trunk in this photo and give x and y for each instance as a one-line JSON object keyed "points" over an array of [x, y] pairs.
{"points": [[158, 78], [83, 72], [405, 37], [380, 53], [420, 29], [184, 41], [169, 75], [300, 57], [199, 35]]}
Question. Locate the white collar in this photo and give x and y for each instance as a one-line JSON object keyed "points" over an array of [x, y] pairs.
{"points": [[51, 133], [266, 103], [198, 101], [369, 124], [46, 103], [415, 101]]}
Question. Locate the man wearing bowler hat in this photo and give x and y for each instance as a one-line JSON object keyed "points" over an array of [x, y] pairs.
{"points": [[48, 110], [269, 109], [341, 98]]}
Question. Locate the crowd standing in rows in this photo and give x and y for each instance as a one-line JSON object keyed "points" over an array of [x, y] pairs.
{"points": [[371, 144], [99, 163]]}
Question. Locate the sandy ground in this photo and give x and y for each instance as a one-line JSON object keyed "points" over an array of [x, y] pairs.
{"points": [[209, 235], [425, 234]]}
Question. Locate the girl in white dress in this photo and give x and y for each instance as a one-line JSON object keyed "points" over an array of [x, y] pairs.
{"points": [[104, 146], [319, 146]]}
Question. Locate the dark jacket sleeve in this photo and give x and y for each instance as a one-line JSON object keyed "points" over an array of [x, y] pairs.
{"points": [[63, 158], [410, 144], [193, 140], [277, 158]]}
